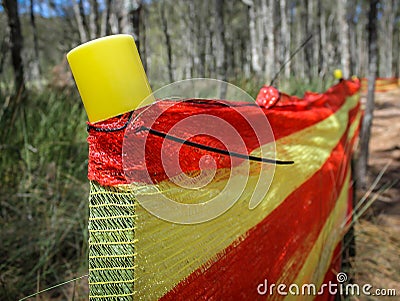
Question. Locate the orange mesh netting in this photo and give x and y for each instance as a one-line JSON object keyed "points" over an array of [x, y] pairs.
{"points": [[381, 84]]}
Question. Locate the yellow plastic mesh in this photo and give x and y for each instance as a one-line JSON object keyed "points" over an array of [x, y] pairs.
{"points": [[133, 254], [111, 243]]}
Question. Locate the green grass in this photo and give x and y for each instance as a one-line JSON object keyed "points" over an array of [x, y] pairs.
{"points": [[297, 86], [43, 194]]}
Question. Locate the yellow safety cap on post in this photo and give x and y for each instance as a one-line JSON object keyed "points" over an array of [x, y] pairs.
{"points": [[338, 74], [109, 75]]}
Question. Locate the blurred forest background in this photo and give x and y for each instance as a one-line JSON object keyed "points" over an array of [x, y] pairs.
{"points": [[179, 39], [43, 188]]}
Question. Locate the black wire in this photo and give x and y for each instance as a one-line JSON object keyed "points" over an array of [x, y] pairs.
{"points": [[213, 149], [109, 130], [195, 101], [290, 58], [190, 143]]}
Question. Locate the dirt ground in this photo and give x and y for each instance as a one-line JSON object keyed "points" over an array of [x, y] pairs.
{"points": [[385, 148], [377, 259]]}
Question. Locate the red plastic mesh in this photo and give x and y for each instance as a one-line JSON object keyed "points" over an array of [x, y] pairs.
{"points": [[286, 115]]}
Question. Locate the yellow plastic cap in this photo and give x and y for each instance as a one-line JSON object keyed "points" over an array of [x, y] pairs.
{"points": [[338, 74], [109, 75]]}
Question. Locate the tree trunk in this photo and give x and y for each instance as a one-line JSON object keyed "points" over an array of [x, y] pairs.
{"points": [[331, 40], [105, 28], [123, 18], [314, 42], [255, 47], [396, 42], [285, 33], [321, 27], [220, 40], [307, 63], [185, 28], [230, 50], [267, 9], [301, 59], [192, 42], [353, 39], [201, 39], [16, 41], [142, 30], [134, 15], [386, 39], [79, 21], [369, 109], [94, 19], [127, 17], [353, 49], [4, 50], [362, 55], [164, 24], [35, 67], [220, 46], [323, 40], [212, 48], [83, 18], [343, 38]]}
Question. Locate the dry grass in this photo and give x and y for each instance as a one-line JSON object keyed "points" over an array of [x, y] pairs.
{"points": [[377, 260]]}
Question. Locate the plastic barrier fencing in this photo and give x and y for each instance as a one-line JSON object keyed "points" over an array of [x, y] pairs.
{"points": [[292, 236]]}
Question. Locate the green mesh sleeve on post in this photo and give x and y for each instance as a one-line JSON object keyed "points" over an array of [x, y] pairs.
{"points": [[111, 243]]}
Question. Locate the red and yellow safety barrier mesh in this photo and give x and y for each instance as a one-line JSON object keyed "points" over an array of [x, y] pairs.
{"points": [[293, 236], [381, 84]]}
